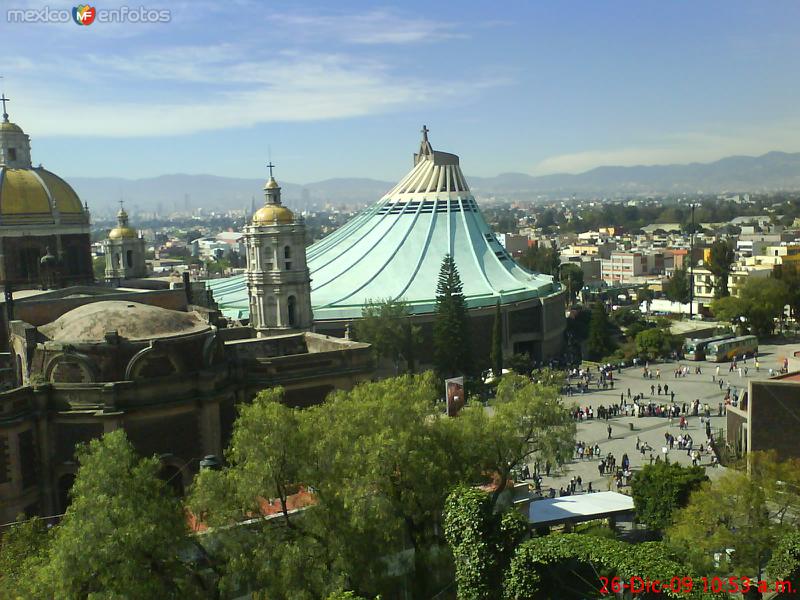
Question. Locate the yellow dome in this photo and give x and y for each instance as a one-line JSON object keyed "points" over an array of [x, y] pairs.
{"points": [[268, 215], [119, 233], [26, 194], [271, 184], [7, 126]]}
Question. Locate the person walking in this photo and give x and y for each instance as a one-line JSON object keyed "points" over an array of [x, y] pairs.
{"points": [[609, 431]]}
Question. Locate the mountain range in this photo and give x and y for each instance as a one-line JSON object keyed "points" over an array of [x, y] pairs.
{"points": [[167, 193]]}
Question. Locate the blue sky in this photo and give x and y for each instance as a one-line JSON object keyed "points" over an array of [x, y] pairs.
{"points": [[342, 89]]}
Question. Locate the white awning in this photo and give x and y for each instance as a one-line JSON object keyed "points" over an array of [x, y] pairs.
{"points": [[582, 507]]}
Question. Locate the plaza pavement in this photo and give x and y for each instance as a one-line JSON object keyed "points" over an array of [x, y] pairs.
{"points": [[652, 429]]}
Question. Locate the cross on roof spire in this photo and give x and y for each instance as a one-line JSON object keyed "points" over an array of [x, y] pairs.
{"points": [[425, 131], [3, 99], [270, 166]]}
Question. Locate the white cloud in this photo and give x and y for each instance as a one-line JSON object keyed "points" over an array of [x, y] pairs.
{"points": [[375, 27], [213, 92], [705, 146]]}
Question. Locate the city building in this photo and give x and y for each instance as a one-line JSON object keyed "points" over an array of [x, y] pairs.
{"points": [[278, 283], [44, 228], [394, 250], [124, 251], [765, 416]]}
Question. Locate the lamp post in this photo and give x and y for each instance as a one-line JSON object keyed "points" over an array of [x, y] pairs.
{"points": [[691, 265]]}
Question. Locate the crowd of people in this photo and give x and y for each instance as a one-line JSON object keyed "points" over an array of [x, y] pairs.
{"points": [[661, 402]]}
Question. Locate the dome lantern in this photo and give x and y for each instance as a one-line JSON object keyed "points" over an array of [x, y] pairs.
{"points": [[273, 212]]}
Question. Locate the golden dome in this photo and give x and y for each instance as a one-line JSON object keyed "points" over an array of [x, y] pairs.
{"points": [[271, 184], [26, 194], [7, 126], [273, 213], [119, 233]]}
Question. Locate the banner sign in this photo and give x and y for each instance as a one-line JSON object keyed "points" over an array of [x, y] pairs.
{"points": [[454, 391]]}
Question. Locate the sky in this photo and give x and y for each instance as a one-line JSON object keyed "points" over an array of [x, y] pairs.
{"points": [[342, 89]]}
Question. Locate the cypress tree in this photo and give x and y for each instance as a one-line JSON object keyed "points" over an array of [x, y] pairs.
{"points": [[451, 340], [497, 342]]}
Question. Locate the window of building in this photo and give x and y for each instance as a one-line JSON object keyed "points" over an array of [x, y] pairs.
{"points": [[12, 154], [291, 307], [288, 266], [129, 257], [287, 252]]}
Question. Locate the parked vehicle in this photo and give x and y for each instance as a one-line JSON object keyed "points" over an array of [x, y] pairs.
{"points": [[746, 345]]}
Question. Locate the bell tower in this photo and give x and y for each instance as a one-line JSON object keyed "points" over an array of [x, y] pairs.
{"points": [[278, 282]]}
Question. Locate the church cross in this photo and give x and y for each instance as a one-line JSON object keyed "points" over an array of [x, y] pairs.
{"points": [[270, 166], [3, 99], [425, 131]]}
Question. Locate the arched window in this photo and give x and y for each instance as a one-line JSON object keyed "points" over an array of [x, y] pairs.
{"points": [[130, 258], [287, 252], [292, 310]]}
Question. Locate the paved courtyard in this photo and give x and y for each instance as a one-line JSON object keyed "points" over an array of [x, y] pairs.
{"points": [[652, 429]]}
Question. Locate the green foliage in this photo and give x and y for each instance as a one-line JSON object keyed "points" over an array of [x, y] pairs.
{"points": [[765, 300], [23, 550], [520, 364], [345, 596], [660, 489], [381, 459], [748, 512], [678, 287], [760, 302], [720, 259], [541, 259], [729, 308], [528, 577], [386, 324], [655, 343], [529, 421], [571, 275], [784, 563], [122, 533], [99, 267], [481, 541], [451, 336], [600, 343], [497, 342], [789, 273]]}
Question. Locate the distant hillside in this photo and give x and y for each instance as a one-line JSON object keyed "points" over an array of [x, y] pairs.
{"points": [[772, 171]]}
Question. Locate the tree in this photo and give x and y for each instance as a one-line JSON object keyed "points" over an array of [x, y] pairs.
{"points": [[23, 551], [655, 343], [451, 336], [571, 275], [482, 541], [760, 302], [497, 342], [789, 273], [748, 511], [541, 259], [599, 342], [569, 565], [784, 564], [660, 489], [122, 534], [645, 295], [99, 267], [529, 423], [765, 300], [678, 287], [729, 308], [387, 326], [720, 259]]}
